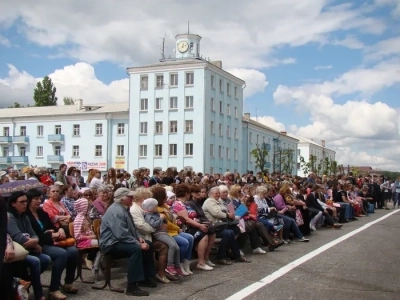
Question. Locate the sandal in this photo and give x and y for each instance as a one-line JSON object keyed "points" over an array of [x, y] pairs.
{"points": [[243, 259], [57, 295], [223, 262]]}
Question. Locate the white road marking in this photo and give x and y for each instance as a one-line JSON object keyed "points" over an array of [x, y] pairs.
{"points": [[286, 269]]}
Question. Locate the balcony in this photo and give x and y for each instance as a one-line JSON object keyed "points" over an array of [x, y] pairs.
{"points": [[5, 140], [22, 139], [55, 159], [56, 138], [19, 160], [5, 160], [268, 165]]}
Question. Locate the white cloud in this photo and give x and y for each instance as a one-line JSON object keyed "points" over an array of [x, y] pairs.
{"points": [[270, 122], [384, 49], [255, 81], [4, 41], [327, 67], [247, 37], [350, 42], [77, 81], [393, 3]]}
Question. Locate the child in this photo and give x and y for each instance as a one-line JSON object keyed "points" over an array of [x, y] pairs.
{"points": [[153, 218], [84, 235]]}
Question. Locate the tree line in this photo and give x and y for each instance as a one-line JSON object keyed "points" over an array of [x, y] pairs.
{"points": [[44, 94]]}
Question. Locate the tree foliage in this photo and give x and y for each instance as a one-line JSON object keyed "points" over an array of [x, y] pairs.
{"points": [[69, 101], [16, 105], [287, 161], [260, 154], [45, 93]]}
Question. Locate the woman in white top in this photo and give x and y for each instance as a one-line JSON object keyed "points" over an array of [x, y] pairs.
{"points": [[94, 179]]}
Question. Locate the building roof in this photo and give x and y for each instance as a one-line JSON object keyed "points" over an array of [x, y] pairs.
{"points": [[308, 141], [63, 110], [253, 122]]}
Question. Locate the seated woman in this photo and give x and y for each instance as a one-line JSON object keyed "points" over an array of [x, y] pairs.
{"points": [[184, 240], [102, 201], [213, 210], [20, 230], [57, 212], [62, 258], [67, 198], [197, 223]]}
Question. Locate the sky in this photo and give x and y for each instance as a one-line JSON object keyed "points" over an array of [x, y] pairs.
{"points": [[322, 69]]}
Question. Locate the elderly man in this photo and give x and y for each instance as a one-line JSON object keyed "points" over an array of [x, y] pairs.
{"points": [[119, 238]]}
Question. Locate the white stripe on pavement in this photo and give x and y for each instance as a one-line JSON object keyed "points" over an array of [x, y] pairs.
{"points": [[286, 269]]}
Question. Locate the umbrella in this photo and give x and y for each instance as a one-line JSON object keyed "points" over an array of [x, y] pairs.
{"points": [[20, 185]]}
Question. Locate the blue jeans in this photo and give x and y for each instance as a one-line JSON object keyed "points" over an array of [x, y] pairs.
{"points": [[290, 226], [228, 240], [268, 225], [185, 243], [63, 258], [37, 263], [349, 210]]}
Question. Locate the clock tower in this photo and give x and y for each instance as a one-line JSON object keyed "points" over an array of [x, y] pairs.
{"points": [[187, 45]]}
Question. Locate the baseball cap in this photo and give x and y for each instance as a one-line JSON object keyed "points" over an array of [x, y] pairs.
{"points": [[123, 192]]}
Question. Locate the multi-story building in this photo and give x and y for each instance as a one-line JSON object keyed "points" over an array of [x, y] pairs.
{"points": [[313, 153]]}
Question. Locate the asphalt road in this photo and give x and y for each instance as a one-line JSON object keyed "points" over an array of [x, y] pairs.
{"points": [[365, 266]]}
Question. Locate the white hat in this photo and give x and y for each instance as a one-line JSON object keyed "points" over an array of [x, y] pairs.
{"points": [[58, 183], [2, 173], [149, 204]]}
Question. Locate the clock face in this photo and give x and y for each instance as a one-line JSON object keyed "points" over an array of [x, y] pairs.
{"points": [[183, 46]]}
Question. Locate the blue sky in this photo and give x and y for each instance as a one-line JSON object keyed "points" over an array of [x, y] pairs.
{"points": [[318, 69]]}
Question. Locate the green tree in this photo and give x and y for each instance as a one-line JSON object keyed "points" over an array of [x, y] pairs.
{"points": [[45, 93], [69, 101], [326, 166], [16, 105], [305, 166], [287, 160], [334, 167], [260, 154]]}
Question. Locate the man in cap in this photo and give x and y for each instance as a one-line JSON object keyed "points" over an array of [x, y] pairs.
{"points": [[119, 238]]}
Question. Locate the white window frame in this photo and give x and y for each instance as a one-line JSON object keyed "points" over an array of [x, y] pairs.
{"points": [[40, 130], [99, 129], [220, 151], [75, 151], [189, 102], [228, 131], [220, 129], [121, 150], [158, 150], [6, 151], [142, 150], [173, 150], [221, 107], [6, 131], [235, 154], [39, 151], [98, 150], [121, 129], [189, 78], [212, 129], [228, 153], [212, 104], [76, 130], [144, 104], [228, 109], [173, 103], [57, 150], [212, 150], [236, 92], [22, 151], [189, 149], [173, 79], [143, 127], [188, 126], [236, 112], [221, 85], [173, 126], [57, 129], [235, 133], [22, 131], [159, 81], [158, 127], [158, 104], [144, 82]]}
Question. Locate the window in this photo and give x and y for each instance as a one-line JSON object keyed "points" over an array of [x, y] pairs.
{"points": [[220, 129], [220, 151], [212, 81], [76, 130], [173, 79], [173, 126], [158, 129], [212, 150], [250, 137], [144, 104], [221, 87], [40, 130], [250, 158], [159, 81], [228, 131], [212, 127], [98, 150], [236, 112], [191, 47], [39, 151], [257, 139], [121, 128], [6, 151], [189, 102], [22, 131], [173, 103], [158, 150], [75, 151], [173, 149], [236, 92], [298, 152], [228, 153], [143, 151], [158, 104], [228, 109], [212, 104], [22, 151], [57, 150], [235, 156], [189, 78], [235, 133], [188, 126], [211, 170], [143, 127], [144, 82], [221, 107], [228, 88], [189, 149], [99, 129], [6, 131], [57, 129], [120, 150]]}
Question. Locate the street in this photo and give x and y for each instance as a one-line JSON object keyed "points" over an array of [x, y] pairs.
{"points": [[356, 262]]}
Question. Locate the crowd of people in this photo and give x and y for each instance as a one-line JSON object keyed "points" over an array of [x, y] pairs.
{"points": [[170, 216]]}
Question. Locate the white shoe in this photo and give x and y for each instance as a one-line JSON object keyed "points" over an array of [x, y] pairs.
{"points": [[210, 263], [258, 251], [186, 265], [312, 227], [184, 270], [204, 267], [241, 253]]}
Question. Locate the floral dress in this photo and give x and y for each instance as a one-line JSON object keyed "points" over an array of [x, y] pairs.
{"points": [[178, 206]]}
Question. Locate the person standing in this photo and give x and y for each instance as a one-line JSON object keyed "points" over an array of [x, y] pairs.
{"points": [[61, 174]]}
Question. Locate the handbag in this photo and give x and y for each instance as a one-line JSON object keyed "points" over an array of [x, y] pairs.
{"points": [[20, 253], [299, 218]]}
